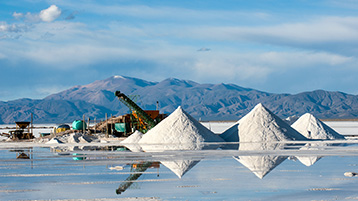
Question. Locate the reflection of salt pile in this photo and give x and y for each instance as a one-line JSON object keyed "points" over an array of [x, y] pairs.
{"points": [[179, 131], [312, 128], [131, 142], [259, 130]]}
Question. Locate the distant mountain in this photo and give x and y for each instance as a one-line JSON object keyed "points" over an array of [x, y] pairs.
{"points": [[202, 101]]}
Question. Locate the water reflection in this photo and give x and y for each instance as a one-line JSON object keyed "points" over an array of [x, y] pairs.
{"points": [[137, 170], [261, 165], [260, 158]]}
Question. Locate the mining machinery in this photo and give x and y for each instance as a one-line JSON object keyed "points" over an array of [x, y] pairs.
{"points": [[140, 119]]}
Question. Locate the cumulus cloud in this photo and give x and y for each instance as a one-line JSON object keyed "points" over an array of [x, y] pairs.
{"points": [[50, 14]]}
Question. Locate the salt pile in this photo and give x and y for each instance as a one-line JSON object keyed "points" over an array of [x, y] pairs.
{"points": [[54, 141], [261, 125], [312, 128], [261, 130], [179, 131], [131, 142]]}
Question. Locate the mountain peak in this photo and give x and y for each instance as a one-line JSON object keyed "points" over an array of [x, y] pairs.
{"points": [[118, 77]]}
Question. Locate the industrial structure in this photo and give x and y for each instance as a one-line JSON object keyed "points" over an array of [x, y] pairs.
{"points": [[22, 131], [137, 119]]}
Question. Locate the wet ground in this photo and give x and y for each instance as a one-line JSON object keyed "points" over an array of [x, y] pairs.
{"points": [[290, 171]]}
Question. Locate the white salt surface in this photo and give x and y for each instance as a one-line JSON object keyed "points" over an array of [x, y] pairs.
{"points": [[312, 128]]}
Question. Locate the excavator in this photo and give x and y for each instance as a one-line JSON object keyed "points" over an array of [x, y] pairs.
{"points": [[142, 120]]}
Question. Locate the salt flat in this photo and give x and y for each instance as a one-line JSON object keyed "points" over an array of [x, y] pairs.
{"points": [[54, 172]]}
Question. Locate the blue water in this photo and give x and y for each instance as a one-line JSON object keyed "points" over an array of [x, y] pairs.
{"points": [[218, 176]]}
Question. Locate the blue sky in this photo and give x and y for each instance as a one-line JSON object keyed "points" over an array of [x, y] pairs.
{"points": [[274, 46]]}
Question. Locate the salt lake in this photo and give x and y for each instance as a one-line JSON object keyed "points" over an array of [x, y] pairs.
{"points": [[111, 172]]}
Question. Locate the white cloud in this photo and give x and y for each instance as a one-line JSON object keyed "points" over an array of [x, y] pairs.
{"points": [[18, 15], [4, 27], [50, 14]]}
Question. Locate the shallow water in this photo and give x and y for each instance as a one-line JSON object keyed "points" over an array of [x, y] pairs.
{"points": [[262, 172]]}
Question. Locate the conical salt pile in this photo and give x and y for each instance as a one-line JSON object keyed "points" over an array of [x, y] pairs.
{"points": [[179, 131], [312, 128], [261, 125], [261, 130], [131, 142]]}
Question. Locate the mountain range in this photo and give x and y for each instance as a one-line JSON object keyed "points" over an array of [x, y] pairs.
{"points": [[202, 101]]}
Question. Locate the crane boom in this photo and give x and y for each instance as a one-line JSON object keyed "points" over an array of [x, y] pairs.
{"points": [[134, 107]]}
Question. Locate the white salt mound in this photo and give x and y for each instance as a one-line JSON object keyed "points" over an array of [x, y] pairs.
{"points": [[258, 131], [54, 141], [312, 128], [131, 142], [134, 138], [179, 131], [261, 125]]}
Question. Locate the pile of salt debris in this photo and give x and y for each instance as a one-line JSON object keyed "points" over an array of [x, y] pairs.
{"points": [[71, 138]]}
